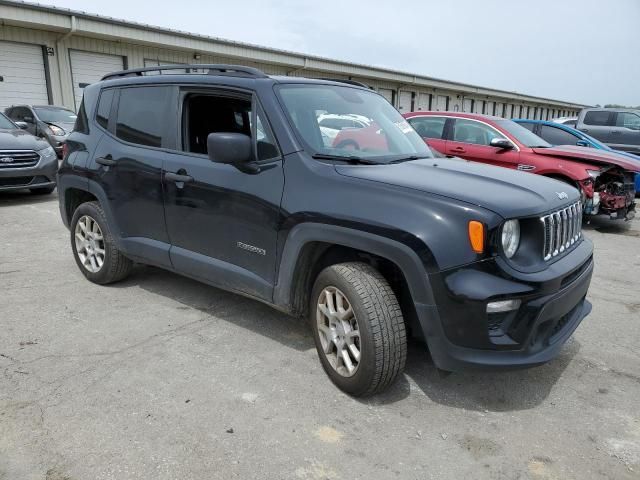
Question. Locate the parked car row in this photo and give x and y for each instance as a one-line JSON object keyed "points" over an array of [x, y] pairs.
{"points": [[606, 178]]}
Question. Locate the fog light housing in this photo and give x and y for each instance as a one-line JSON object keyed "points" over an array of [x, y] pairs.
{"points": [[502, 306]]}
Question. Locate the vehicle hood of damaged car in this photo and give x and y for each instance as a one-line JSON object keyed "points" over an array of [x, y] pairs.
{"points": [[590, 155], [509, 193]]}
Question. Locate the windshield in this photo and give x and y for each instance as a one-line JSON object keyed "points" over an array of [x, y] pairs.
{"points": [[350, 123], [524, 136], [55, 115], [6, 124]]}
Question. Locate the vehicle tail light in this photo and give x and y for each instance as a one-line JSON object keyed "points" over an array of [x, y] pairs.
{"points": [[476, 236]]}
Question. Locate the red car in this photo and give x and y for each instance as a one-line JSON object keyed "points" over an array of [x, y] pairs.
{"points": [[605, 179]]}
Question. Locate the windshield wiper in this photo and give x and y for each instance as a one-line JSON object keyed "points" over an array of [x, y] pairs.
{"points": [[408, 158], [344, 158]]}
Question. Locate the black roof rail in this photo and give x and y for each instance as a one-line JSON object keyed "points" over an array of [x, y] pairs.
{"points": [[349, 82], [212, 69]]}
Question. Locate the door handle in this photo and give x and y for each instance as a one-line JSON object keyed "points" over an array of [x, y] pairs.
{"points": [[106, 161], [615, 131], [458, 150], [178, 178]]}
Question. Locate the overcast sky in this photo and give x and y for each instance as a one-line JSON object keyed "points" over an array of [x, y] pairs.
{"points": [[584, 51]]}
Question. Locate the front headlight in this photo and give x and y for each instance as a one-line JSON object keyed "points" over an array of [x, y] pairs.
{"points": [[510, 237], [47, 153], [56, 130]]}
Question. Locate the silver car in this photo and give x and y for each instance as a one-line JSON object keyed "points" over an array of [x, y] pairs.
{"points": [[26, 162], [50, 122]]}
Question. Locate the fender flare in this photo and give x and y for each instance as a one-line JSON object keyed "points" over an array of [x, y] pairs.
{"points": [[97, 191], [403, 256]]}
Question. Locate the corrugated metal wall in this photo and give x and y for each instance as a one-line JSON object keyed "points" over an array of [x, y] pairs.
{"points": [[271, 63]]}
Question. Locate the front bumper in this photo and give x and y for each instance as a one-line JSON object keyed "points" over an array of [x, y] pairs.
{"points": [[41, 175], [462, 336]]}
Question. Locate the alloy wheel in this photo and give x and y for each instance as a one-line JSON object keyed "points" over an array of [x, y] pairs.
{"points": [[338, 331], [89, 244]]}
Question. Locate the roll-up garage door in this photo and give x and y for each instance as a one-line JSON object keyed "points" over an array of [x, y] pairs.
{"points": [[442, 103], [88, 68], [404, 102], [424, 102], [386, 93], [22, 75]]}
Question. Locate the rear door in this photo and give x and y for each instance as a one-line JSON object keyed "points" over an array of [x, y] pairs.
{"points": [[470, 139], [432, 130], [127, 164], [626, 134]]}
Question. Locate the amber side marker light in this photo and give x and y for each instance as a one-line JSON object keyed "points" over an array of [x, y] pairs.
{"points": [[476, 236]]}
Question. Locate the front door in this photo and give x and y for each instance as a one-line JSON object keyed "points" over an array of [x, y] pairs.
{"points": [[223, 221], [471, 140]]}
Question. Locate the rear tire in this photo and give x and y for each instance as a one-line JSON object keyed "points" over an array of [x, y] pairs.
{"points": [[42, 190], [93, 247], [358, 328]]}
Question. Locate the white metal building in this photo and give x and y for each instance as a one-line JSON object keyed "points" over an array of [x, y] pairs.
{"points": [[48, 55]]}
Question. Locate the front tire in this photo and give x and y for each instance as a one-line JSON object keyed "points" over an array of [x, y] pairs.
{"points": [[358, 328], [93, 247]]}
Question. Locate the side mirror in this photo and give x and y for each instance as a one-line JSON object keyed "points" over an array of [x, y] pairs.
{"points": [[28, 119], [231, 148], [582, 143], [22, 125], [501, 143]]}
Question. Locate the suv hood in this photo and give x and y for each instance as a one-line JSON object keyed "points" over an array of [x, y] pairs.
{"points": [[590, 155], [20, 140], [508, 193]]}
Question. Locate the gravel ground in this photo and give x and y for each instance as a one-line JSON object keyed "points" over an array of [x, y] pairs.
{"points": [[160, 377]]}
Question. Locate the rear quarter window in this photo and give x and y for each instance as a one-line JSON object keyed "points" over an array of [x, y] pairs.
{"points": [[143, 115], [597, 118]]}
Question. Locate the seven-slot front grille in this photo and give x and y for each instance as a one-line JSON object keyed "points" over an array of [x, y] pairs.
{"points": [[562, 229], [18, 158]]}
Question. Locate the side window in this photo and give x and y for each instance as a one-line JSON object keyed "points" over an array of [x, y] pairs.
{"points": [[206, 113], [81, 125], [142, 115], [428, 127], [597, 118], [557, 136], [628, 120], [469, 131], [104, 108]]}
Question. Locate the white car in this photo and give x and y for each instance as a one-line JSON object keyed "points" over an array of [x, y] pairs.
{"points": [[331, 124], [571, 121]]}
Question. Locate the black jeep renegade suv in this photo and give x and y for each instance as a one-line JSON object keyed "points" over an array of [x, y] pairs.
{"points": [[228, 176]]}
